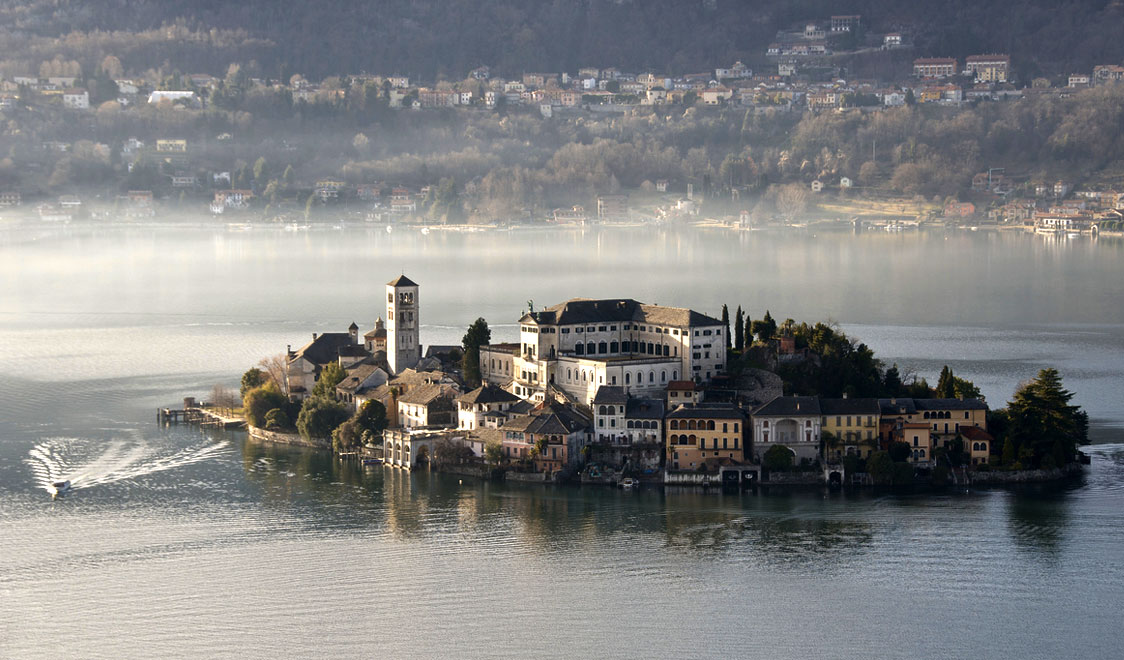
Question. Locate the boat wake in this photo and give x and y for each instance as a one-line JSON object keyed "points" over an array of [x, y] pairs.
{"points": [[79, 461]]}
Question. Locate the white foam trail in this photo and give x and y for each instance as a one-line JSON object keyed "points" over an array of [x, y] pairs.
{"points": [[59, 459]]}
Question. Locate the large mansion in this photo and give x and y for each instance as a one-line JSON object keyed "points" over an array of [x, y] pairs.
{"points": [[581, 344]]}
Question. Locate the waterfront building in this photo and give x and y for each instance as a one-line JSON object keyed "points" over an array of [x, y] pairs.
{"points": [[579, 345], [411, 448], [977, 443], [942, 420], [403, 343], [620, 419], [849, 426], [709, 434], [551, 436], [792, 421]]}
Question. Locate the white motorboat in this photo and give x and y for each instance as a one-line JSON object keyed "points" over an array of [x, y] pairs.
{"points": [[59, 489]]}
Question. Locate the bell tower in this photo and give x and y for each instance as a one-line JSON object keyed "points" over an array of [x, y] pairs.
{"points": [[403, 343]]}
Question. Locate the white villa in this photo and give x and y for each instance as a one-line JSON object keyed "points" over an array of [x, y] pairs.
{"points": [[581, 344]]}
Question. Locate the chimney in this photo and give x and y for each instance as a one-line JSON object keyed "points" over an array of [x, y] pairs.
{"points": [[314, 336], [844, 395]]}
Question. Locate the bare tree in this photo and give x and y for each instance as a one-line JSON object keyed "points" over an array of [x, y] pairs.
{"points": [[275, 367], [223, 397]]}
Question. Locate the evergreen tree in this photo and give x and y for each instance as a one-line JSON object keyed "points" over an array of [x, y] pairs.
{"points": [[946, 386], [478, 334], [726, 324], [1043, 423], [892, 381], [739, 330]]}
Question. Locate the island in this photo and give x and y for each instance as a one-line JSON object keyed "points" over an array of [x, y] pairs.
{"points": [[620, 392]]}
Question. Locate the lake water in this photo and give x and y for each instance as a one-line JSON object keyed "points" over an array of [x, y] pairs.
{"points": [[178, 542]]}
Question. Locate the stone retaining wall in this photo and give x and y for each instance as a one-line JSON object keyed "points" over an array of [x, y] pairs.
{"points": [[1023, 476], [287, 438]]}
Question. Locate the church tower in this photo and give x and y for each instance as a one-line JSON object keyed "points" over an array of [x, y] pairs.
{"points": [[403, 344]]}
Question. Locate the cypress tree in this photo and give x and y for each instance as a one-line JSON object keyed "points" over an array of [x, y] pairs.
{"points": [[726, 324], [739, 330]]}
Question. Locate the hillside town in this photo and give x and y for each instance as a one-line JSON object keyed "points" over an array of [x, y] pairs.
{"points": [[806, 76], [602, 390]]}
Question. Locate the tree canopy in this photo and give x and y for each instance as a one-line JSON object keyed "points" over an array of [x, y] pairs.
{"points": [[478, 334], [1044, 428]]}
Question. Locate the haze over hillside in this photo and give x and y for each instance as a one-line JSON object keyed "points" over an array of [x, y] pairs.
{"points": [[429, 38]]}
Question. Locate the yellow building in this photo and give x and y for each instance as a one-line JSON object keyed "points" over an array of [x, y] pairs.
{"points": [[704, 432], [943, 419], [849, 426]]}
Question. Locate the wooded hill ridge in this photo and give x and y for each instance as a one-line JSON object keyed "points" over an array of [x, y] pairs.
{"points": [[447, 38]]}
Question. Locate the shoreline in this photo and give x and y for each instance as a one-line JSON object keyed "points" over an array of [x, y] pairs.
{"points": [[708, 482]]}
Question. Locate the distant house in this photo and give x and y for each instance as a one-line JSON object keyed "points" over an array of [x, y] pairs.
{"points": [[892, 40], [845, 183], [1078, 80], [611, 207], [817, 186], [934, 67], [171, 96], [661, 185], [1107, 73], [10, 198], [76, 99], [959, 210], [989, 68], [847, 23]]}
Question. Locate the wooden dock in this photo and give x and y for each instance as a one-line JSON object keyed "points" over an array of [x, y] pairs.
{"points": [[199, 415]]}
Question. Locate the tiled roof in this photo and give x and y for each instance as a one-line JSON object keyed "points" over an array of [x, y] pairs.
{"points": [[707, 410], [402, 280], [488, 394], [584, 310], [610, 394], [325, 348], [950, 404], [425, 394], [645, 409], [850, 407], [790, 406]]}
